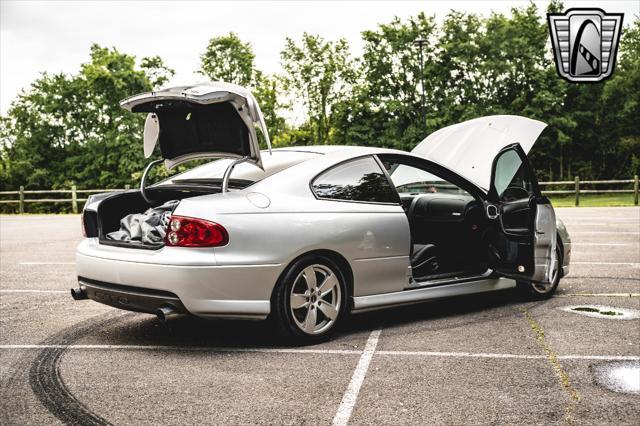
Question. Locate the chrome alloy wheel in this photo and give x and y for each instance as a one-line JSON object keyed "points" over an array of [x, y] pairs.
{"points": [[315, 299], [555, 270]]}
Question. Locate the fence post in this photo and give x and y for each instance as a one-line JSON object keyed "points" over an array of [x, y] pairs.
{"points": [[635, 190], [21, 205], [74, 199], [127, 187], [577, 190]]}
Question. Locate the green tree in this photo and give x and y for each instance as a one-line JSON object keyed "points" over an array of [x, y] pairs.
{"points": [[621, 107], [519, 77], [318, 73], [229, 59], [70, 128], [473, 66], [266, 92], [385, 108], [157, 72]]}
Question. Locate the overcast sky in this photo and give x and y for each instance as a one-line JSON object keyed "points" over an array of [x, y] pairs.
{"points": [[55, 36]]}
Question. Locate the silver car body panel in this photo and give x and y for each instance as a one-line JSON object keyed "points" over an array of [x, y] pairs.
{"points": [[565, 243], [544, 242], [204, 287], [270, 224], [381, 301]]}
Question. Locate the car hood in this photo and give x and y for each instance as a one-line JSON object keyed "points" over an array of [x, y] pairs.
{"points": [[205, 120], [468, 148]]}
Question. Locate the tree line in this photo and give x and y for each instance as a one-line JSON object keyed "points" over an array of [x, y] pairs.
{"points": [[68, 129]]}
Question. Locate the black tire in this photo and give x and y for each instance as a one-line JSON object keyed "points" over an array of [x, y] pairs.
{"points": [[532, 291], [287, 321]]}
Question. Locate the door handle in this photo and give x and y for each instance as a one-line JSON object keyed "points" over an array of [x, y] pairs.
{"points": [[492, 211]]}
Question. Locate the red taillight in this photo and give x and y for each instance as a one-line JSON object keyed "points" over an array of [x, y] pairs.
{"points": [[191, 232]]}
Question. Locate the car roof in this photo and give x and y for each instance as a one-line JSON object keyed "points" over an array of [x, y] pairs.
{"points": [[330, 149], [317, 149], [280, 159]]}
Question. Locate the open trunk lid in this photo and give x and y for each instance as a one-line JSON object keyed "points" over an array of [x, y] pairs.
{"points": [[206, 120], [468, 148]]}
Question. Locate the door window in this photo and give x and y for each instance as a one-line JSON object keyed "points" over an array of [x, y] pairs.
{"points": [[413, 180], [357, 180], [512, 180]]}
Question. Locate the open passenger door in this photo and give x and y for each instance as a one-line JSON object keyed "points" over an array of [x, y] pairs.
{"points": [[523, 246]]}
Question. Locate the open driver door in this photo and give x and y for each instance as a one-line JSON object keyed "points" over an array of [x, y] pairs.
{"points": [[522, 245]]}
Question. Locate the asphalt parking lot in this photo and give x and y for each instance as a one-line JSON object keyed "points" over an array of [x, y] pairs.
{"points": [[482, 359]]}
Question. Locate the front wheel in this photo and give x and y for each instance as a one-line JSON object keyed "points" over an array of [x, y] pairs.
{"points": [[539, 291], [309, 300]]}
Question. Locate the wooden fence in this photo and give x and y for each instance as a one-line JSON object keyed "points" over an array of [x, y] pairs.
{"points": [[74, 200], [577, 191]]}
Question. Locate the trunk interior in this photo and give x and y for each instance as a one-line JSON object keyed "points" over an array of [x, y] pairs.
{"points": [[114, 208]]}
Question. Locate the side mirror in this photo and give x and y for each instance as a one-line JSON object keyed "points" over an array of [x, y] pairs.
{"points": [[151, 134]]}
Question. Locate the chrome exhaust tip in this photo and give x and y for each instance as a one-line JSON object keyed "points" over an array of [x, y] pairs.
{"points": [[167, 312], [79, 293]]}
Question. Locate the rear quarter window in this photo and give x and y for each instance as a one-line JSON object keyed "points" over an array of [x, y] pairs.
{"points": [[360, 180]]}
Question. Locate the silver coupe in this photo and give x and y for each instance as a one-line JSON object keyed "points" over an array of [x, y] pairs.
{"points": [[306, 235]]}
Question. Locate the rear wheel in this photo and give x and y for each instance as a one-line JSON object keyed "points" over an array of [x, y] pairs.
{"points": [[539, 291], [310, 299]]}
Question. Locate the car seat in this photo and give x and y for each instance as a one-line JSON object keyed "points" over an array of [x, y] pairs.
{"points": [[424, 260]]}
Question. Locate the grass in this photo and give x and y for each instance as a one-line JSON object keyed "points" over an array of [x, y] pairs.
{"points": [[593, 200]]}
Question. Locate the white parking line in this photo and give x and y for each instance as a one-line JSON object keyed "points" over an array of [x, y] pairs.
{"points": [[351, 394], [598, 295], [625, 225], [603, 232], [602, 244], [507, 356], [631, 264], [33, 291], [47, 263], [188, 349]]}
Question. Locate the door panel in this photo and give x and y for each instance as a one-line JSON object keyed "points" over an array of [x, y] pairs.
{"points": [[525, 228], [516, 217], [544, 241]]}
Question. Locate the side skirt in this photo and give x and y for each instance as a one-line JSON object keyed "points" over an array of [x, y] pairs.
{"points": [[387, 300]]}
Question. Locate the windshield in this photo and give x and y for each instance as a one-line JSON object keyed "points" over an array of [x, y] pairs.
{"points": [[243, 174]]}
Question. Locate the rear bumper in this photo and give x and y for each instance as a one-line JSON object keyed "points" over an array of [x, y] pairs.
{"points": [[205, 290], [130, 298]]}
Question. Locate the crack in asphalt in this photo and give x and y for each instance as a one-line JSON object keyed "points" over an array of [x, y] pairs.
{"points": [[552, 357]]}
